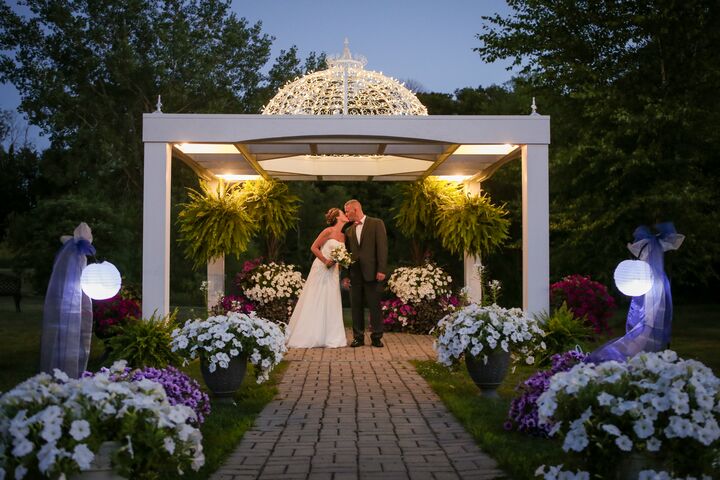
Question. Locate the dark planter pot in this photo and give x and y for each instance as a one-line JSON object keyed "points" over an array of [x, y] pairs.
{"points": [[224, 382], [488, 376]]}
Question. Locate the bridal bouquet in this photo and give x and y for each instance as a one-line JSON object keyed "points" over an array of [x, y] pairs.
{"points": [[656, 402], [476, 330], [219, 339], [52, 426], [341, 256]]}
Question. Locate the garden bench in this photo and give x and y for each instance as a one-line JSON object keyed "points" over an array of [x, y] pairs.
{"points": [[10, 287]]}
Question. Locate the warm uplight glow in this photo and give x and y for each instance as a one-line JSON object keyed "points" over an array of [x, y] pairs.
{"points": [[222, 148], [237, 178], [453, 178], [484, 149]]}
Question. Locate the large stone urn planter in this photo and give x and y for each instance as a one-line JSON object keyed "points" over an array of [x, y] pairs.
{"points": [[101, 466], [224, 382], [488, 376]]}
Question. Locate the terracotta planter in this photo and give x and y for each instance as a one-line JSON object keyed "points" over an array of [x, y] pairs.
{"points": [[101, 466], [224, 382], [488, 376]]}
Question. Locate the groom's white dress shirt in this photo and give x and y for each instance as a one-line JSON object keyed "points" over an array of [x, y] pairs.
{"points": [[359, 227]]}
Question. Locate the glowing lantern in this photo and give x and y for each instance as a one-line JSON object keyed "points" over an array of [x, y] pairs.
{"points": [[633, 277], [100, 280]]}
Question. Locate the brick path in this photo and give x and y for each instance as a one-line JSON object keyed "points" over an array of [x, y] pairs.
{"points": [[357, 413]]}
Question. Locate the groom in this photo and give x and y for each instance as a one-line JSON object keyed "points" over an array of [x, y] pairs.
{"points": [[366, 240]]}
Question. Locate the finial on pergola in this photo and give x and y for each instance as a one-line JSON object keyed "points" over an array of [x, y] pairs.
{"points": [[533, 107], [158, 106]]}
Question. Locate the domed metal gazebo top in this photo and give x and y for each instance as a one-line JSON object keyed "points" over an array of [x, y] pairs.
{"points": [[345, 88]]}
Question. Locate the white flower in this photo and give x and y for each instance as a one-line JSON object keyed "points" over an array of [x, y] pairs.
{"points": [[611, 429], [20, 472], [23, 448], [624, 443], [643, 428], [79, 429], [169, 445], [653, 444], [83, 456]]}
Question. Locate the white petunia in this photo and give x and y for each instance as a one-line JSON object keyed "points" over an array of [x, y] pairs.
{"points": [[79, 429], [624, 443], [83, 456]]}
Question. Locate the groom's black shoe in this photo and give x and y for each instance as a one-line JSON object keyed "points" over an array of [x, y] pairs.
{"points": [[358, 342], [377, 343]]}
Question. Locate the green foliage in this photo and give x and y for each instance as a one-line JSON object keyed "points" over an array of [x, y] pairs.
{"points": [[34, 236], [439, 209], [87, 71], [471, 224], [215, 222], [630, 88], [564, 332], [145, 342], [273, 207]]}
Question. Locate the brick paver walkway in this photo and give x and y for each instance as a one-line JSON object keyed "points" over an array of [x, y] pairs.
{"points": [[357, 413]]}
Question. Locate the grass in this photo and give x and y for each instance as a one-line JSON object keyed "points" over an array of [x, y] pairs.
{"points": [[223, 428], [696, 334]]}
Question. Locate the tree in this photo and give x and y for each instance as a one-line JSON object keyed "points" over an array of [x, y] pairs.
{"points": [[632, 87], [87, 71]]}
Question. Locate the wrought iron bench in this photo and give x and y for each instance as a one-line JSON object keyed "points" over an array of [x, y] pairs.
{"points": [[10, 287]]}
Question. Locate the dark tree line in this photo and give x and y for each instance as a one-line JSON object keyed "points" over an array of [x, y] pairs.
{"points": [[632, 89]]}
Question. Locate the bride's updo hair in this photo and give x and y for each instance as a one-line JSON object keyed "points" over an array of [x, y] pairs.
{"points": [[332, 215]]}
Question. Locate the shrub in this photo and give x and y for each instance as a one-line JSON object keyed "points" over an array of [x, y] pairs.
{"points": [[523, 414], [114, 312], [586, 298], [563, 332], [145, 342]]}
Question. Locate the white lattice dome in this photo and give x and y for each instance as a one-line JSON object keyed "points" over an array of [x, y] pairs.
{"points": [[345, 88]]}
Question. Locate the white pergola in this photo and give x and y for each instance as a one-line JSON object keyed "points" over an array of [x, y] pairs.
{"points": [[351, 148]]}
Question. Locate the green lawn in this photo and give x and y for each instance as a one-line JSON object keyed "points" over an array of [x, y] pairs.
{"points": [[696, 334], [224, 427]]}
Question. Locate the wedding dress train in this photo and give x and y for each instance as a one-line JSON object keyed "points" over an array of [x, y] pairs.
{"points": [[317, 320]]}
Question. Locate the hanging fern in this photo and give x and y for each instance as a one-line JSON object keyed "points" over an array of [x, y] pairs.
{"points": [[422, 200], [471, 224], [273, 208], [215, 222]]}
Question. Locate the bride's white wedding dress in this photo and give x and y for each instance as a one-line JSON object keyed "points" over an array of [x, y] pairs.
{"points": [[317, 320]]}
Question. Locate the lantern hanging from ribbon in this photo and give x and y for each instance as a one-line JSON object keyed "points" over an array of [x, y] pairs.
{"points": [[633, 277], [100, 280]]}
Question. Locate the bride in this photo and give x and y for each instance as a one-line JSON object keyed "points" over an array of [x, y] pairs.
{"points": [[317, 320]]}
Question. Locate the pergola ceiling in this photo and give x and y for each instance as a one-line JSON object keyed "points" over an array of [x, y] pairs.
{"points": [[355, 157]]}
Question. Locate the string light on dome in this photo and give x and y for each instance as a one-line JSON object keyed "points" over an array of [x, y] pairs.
{"points": [[345, 88]]}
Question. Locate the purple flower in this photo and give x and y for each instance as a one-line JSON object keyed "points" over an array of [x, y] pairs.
{"points": [[523, 413]]}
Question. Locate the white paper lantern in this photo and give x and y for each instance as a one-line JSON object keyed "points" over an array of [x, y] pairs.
{"points": [[100, 280], [633, 277]]}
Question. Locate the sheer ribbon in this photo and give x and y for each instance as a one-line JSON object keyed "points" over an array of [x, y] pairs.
{"points": [[67, 315], [649, 321]]}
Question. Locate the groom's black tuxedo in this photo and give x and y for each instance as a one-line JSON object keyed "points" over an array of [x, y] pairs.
{"points": [[370, 257]]}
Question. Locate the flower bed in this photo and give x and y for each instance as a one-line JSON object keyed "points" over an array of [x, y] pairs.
{"points": [[233, 303], [655, 403], [273, 288], [523, 414], [477, 330], [54, 425], [586, 298], [422, 297], [111, 313], [220, 338]]}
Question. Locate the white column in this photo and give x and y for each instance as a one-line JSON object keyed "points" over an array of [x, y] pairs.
{"points": [[536, 229], [472, 277], [216, 280], [156, 229], [215, 273]]}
